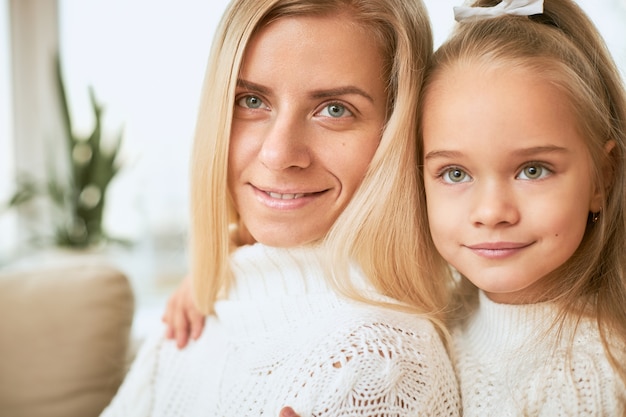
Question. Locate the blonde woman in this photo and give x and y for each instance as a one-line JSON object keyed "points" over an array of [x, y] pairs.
{"points": [[304, 230]]}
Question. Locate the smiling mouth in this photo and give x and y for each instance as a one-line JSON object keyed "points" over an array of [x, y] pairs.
{"points": [[285, 196], [290, 196], [498, 250], [495, 247]]}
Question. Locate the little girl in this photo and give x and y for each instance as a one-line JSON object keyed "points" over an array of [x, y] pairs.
{"points": [[523, 129]]}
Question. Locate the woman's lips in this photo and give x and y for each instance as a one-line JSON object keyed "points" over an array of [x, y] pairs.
{"points": [[286, 196], [286, 200]]}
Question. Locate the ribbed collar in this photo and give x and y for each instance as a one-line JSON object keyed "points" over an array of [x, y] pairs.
{"points": [[267, 272], [275, 290], [496, 329]]}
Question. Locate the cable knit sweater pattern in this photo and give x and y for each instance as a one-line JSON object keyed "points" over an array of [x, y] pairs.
{"points": [[509, 364], [283, 337]]}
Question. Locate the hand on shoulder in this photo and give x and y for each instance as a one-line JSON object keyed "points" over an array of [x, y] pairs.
{"points": [[182, 317]]}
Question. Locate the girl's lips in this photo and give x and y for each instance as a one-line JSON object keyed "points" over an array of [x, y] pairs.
{"points": [[497, 250], [498, 245]]}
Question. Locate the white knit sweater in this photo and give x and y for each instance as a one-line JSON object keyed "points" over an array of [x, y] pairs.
{"points": [[284, 338], [508, 365]]}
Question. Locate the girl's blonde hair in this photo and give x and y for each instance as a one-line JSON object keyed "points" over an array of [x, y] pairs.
{"points": [[378, 228], [562, 46]]}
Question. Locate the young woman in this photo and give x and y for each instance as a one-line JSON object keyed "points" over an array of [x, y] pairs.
{"points": [[304, 233], [523, 127]]}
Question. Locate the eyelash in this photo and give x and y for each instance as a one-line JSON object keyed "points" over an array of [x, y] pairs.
{"points": [[443, 174], [543, 170], [241, 102], [346, 109]]}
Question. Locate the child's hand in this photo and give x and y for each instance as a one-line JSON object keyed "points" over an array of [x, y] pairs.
{"points": [[288, 412], [182, 316]]}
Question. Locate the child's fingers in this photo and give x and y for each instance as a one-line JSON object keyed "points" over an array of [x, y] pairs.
{"points": [[288, 412], [168, 320], [197, 323], [169, 332], [181, 316], [181, 328]]}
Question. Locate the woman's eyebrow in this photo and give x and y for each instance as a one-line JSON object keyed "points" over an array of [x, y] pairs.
{"points": [[316, 94], [248, 85], [340, 91]]}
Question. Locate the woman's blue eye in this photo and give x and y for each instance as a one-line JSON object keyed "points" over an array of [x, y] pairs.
{"points": [[250, 102], [455, 175], [335, 110], [533, 172]]}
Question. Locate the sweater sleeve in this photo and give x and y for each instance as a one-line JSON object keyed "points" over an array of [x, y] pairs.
{"points": [[380, 370], [134, 397]]}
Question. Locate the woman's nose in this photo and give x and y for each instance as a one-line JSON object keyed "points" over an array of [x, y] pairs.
{"points": [[285, 144]]}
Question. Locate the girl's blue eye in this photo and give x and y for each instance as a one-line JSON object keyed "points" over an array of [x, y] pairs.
{"points": [[455, 175], [250, 102], [533, 172], [335, 110]]}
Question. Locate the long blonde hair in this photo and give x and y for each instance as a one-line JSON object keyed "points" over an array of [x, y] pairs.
{"points": [[378, 228], [564, 47]]}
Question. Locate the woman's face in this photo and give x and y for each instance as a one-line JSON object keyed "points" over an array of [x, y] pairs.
{"points": [[309, 111]]}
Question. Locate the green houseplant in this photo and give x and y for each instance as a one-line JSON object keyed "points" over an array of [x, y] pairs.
{"points": [[78, 196]]}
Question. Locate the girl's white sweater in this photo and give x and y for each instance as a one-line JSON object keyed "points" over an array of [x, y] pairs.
{"points": [[509, 363], [283, 337]]}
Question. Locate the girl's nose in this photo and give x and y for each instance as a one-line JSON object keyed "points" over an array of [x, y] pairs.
{"points": [[493, 205]]}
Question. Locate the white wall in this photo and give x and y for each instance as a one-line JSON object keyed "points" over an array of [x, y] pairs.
{"points": [[145, 60], [608, 15]]}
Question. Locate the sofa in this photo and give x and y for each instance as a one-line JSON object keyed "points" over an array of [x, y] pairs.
{"points": [[65, 339]]}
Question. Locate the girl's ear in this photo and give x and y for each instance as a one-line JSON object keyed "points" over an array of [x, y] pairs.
{"points": [[607, 178]]}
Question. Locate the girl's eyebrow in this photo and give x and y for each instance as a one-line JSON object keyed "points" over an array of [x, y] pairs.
{"points": [[317, 94], [442, 154], [540, 150], [525, 152]]}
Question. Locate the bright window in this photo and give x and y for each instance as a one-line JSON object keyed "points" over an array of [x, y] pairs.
{"points": [[7, 221], [145, 61]]}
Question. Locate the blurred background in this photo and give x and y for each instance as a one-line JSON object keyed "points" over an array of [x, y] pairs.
{"points": [[131, 72]]}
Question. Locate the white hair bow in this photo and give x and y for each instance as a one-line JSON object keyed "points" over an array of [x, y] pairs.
{"points": [[510, 7]]}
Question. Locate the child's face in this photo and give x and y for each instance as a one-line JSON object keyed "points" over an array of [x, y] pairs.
{"points": [[507, 178], [309, 113]]}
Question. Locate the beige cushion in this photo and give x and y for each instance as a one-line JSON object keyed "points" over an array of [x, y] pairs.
{"points": [[64, 335]]}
